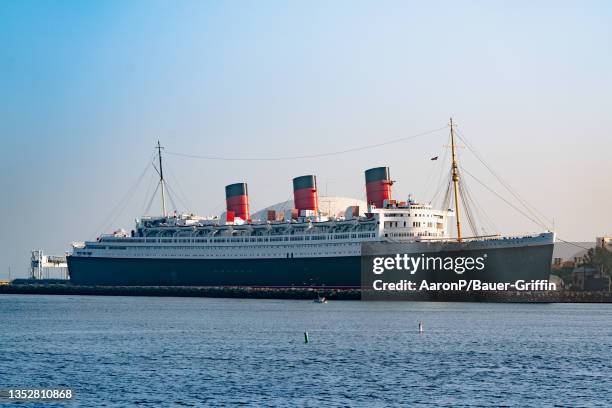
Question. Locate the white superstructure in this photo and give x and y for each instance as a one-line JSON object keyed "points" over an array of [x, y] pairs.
{"points": [[190, 236]]}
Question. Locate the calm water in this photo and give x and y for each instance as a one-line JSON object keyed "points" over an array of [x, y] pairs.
{"points": [[117, 351]]}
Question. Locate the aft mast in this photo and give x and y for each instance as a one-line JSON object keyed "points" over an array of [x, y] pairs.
{"points": [[455, 175], [161, 179]]}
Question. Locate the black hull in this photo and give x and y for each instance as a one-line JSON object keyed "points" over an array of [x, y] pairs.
{"points": [[503, 265]]}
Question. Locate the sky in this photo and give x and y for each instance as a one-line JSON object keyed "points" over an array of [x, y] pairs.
{"points": [[88, 88]]}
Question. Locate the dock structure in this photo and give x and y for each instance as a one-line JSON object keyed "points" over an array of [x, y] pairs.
{"points": [[48, 266]]}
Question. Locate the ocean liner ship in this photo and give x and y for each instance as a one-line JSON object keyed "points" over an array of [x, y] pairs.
{"points": [[302, 247]]}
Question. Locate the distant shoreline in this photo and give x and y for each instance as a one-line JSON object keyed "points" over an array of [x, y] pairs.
{"points": [[302, 293]]}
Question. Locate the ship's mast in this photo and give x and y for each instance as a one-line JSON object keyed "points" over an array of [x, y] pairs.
{"points": [[161, 178], [455, 175]]}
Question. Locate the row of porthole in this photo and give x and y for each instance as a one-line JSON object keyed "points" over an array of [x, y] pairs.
{"points": [[226, 255], [225, 247]]}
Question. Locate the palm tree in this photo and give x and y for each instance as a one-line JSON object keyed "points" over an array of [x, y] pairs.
{"points": [[599, 258]]}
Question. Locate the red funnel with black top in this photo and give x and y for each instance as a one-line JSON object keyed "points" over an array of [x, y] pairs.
{"points": [[305, 195], [237, 199], [378, 185]]}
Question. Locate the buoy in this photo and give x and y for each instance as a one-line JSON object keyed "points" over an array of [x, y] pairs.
{"points": [[305, 337], [421, 327]]}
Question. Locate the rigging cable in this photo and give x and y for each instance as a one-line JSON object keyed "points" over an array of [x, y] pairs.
{"points": [[572, 243], [440, 176], [309, 156], [444, 159], [538, 223], [181, 202], [146, 196], [445, 204], [122, 204], [541, 220], [170, 190], [467, 208], [182, 197], [146, 211], [479, 211], [531, 209]]}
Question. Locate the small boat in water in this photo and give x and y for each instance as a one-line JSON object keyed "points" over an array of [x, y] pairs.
{"points": [[320, 299]]}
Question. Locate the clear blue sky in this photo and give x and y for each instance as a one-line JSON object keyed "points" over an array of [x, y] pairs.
{"points": [[88, 87]]}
